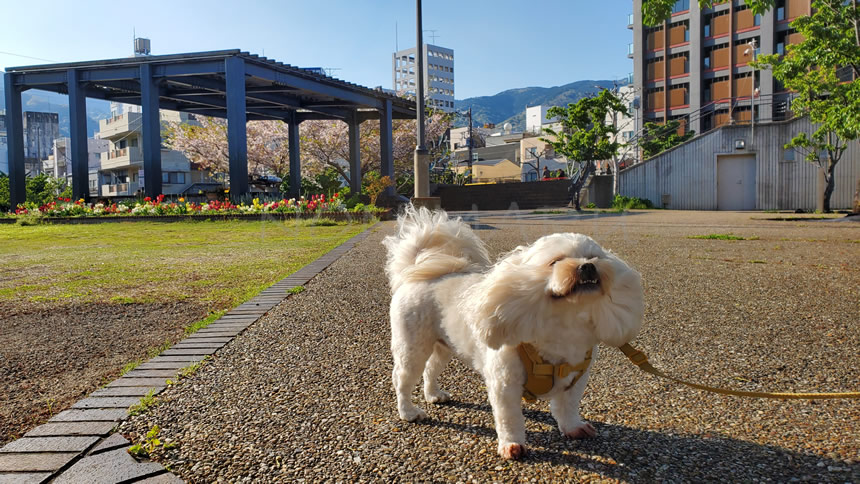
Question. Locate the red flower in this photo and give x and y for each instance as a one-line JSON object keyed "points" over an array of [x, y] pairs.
{"points": [[147, 199]]}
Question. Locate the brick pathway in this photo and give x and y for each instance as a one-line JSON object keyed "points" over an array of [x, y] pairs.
{"points": [[78, 444]]}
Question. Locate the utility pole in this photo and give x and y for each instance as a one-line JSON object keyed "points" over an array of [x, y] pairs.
{"points": [[420, 164], [469, 144]]}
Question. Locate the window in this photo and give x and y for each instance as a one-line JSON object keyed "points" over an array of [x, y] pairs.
{"points": [[757, 20], [132, 142], [707, 30], [680, 6], [165, 178], [687, 35]]}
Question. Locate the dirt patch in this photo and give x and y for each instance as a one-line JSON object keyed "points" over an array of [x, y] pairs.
{"points": [[51, 357]]}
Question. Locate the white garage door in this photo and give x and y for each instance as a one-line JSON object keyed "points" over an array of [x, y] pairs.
{"points": [[736, 182]]}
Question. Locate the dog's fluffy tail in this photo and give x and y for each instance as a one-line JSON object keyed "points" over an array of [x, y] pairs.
{"points": [[429, 245]]}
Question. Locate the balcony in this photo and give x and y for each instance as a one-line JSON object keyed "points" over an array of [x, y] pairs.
{"points": [[629, 20], [119, 125], [121, 158], [119, 190], [630, 50]]}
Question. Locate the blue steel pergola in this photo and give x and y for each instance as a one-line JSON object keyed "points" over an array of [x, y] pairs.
{"points": [[227, 84]]}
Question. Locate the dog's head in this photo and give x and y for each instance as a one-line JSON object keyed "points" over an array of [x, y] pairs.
{"points": [[558, 278]]}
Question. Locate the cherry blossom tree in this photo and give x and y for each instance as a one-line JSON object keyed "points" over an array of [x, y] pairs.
{"points": [[324, 144], [205, 143]]}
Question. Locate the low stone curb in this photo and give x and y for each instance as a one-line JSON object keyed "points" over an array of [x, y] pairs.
{"points": [[78, 445]]}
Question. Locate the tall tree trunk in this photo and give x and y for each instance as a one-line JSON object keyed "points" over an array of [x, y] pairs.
{"points": [[831, 185], [576, 187], [614, 178]]}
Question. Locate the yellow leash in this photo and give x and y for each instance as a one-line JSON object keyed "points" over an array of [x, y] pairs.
{"points": [[641, 360]]}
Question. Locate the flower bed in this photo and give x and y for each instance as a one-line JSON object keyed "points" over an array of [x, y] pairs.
{"points": [[315, 206]]}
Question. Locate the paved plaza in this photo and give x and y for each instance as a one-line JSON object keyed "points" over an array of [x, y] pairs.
{"points": [[304, 393]]}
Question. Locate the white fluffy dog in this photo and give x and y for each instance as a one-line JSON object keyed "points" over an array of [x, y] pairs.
{"points": [[562, 295]]}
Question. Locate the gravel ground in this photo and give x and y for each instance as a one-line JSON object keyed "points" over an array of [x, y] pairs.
{"points": [[305, 394], [51, 357]]}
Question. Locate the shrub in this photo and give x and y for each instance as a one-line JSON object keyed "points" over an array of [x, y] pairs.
{"points": [[621, 202]]}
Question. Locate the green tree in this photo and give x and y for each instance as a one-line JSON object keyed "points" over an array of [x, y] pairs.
{"points": [[585, 136], [4, 193], [656, 11], [657, 138], [820, 70]]}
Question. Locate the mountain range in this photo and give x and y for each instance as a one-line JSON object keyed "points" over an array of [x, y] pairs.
{"points": [[510, 106]]}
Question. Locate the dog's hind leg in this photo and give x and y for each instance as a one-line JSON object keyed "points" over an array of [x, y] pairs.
{"points": [[410, 352], [437, 362]]}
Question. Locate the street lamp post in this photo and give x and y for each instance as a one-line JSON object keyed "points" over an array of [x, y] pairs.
{"points": [[751, 50], [420, 164]]}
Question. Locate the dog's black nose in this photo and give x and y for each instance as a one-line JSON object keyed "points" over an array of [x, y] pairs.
{"points": [[586, 272]]}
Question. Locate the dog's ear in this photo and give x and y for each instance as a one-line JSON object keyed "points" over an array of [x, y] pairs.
{"points": [[617, 318], [505, 302]]}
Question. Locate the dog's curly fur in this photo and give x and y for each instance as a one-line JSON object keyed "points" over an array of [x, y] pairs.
{"points": [[563, 294]]}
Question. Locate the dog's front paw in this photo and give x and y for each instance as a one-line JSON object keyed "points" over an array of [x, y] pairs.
{"points": [[583, 431], [439, 396], [413, 414], [512, 451]]}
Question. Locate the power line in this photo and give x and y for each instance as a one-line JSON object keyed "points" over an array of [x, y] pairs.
{"points": [[26, 56]]}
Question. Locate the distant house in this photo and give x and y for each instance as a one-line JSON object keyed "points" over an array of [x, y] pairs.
{"points": [[500, 170]]}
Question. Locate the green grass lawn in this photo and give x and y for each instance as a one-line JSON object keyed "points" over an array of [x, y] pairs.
{"points": [[217, 263]]}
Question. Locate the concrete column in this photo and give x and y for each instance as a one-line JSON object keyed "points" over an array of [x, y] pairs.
{"points": [[295, 156], [78, 152], [386, 144], [151, 142], [15, 139], [355, 154], [422, 174], [237, 135]]}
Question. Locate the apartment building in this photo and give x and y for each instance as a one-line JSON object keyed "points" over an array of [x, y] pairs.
{"points": [[59, 165], [438, 75], [694, 68], [122, 174], [40, 131]]}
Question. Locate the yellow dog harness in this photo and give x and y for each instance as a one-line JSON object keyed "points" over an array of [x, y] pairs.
{"points": [[540, 375]]}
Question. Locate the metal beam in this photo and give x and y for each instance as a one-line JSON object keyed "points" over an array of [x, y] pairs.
{"points": [[40, 78], [310, 116], [190, 68], [295, 155], [78, 151], [256, 94], [15, 139], [354, 154], [237, 135], [386, 144], [312, 86], [151, 132]]}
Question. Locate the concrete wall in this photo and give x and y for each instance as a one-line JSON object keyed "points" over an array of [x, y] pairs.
{"points": [[685, 178], [504, 196]]}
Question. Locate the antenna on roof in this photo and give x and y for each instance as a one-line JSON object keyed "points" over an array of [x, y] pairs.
{"points": [[432, 34]]}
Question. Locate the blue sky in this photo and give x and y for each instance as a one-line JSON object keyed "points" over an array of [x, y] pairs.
{"points": [[498, 45]]}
